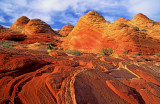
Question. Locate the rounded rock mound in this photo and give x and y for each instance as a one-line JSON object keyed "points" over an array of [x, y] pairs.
{"points": [[66, 30], [13, 36], [20, 23], [37, 26]]}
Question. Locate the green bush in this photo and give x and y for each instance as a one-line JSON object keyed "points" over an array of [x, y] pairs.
{"points": [[50, 46], [55, 40], [110, 51], [158, 54], [102, 51], [137, 28], [60, 41], [50, 43], [105, 51], [137, 54], [143, 30], [7, 44], [126, 51], [61, 48], [73, 52], [41, 43]]}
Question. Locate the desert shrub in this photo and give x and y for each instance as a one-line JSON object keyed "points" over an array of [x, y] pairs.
{"points": [[51, 43], [158, 54], [55, 40], [41, 43], [102, 51], [61, 48], [60, 41], [50, 46], [143, 30], [73, 52], [7, 44], [126, 51], [110, 51], [137, 28], [105, 51], [136, 54]]}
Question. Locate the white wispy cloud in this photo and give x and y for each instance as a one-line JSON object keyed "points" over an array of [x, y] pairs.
{"points": [[2, 19], [150, 8], [5, 26], [69, 11], [110, 18]]}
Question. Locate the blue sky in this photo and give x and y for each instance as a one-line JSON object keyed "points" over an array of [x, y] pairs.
{"points": [[58, 13]]}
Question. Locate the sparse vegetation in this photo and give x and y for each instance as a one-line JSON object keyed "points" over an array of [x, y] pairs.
{"points": [[143, 30], [136, 54], [61, 48], [102, 51], [49, 47], [110, 51], [105, 51], [42, 43], [73, 52], [55, 40], [126, 51], [158, 54], [137, 28], [6, 44]]}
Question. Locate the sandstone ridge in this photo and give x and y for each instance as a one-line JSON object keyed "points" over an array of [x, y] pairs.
{"points": [[66, 30], [93, 32]]}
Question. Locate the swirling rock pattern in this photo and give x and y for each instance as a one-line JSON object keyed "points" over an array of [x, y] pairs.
{"points": [[27, 78]]}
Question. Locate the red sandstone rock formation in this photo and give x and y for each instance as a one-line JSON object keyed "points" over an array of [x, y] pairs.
{"points": [[66, 30], [35, 76], [13, 36], [20, 23], [93, 32], [141, 20], [27, 78], [87, 33], [37, 26], [35, 30], [38, 31]]}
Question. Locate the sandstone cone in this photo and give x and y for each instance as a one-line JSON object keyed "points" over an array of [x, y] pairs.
{"points": [[66, 30], [37, 26], [95, 19], [141, 18], [20, 23], [93, 32], [87, 33]]}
